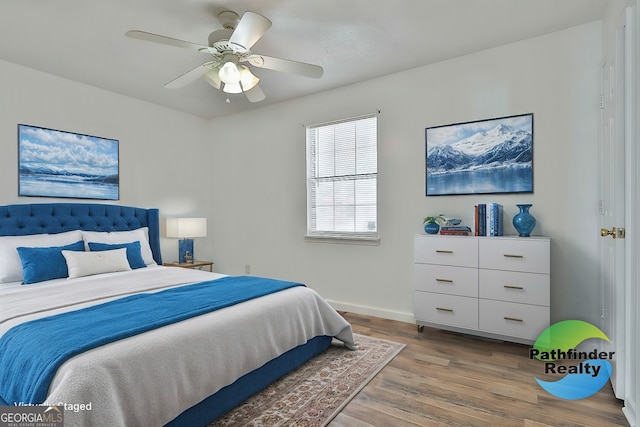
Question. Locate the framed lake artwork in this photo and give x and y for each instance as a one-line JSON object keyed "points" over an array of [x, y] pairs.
{"points": [[55, 163], [480, 157]]}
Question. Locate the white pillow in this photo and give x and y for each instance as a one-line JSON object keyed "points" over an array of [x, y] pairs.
{"points": [[10, 264], [141, 235], [88, 263]]}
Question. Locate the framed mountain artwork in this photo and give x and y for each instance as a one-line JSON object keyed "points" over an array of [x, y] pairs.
{"points": [[480, 157]]}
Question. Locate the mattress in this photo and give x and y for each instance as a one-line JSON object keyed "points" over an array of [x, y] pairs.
{"points": [[151, 378]]}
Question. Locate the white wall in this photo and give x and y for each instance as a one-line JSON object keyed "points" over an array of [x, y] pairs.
{"points": [[258, 186], [246, 172], [161, 161]]}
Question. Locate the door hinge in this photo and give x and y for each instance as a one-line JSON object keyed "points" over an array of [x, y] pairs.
{"points": [[601, 102], [602, 311]]}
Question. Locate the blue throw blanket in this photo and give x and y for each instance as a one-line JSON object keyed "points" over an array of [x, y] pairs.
{"points": [[31, 353]]}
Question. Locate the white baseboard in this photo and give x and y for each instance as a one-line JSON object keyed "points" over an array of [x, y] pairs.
{"points": [[630, 414], [373, 311]]}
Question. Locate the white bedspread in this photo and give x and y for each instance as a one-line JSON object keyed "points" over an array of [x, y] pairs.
{"points": [[149, 379]]}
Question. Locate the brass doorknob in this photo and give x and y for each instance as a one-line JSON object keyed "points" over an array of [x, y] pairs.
{"points": [[615, 232], [604, 232]]}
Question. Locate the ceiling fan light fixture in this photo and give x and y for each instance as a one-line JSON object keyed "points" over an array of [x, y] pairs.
{"points": [[247, 79], [229, 73]]}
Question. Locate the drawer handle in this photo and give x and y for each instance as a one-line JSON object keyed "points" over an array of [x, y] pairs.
{"points": [[515, 319], [443, 251], [449, 310], [513, 287], [513, 256], [444, 280]]}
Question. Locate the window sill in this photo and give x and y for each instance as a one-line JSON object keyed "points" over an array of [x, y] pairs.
{"points": [[344, 240]]}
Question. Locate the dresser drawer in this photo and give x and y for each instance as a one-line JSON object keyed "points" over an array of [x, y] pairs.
{"points": [[527, 288], [518, 254], [461, 312], [449, 250], [512, 319], [445, 279]]}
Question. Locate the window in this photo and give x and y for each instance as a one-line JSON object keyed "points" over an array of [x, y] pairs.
{"points": [[342, 175]]}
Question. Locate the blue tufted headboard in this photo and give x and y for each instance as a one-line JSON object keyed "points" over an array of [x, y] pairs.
{"points": [[20, 220]]}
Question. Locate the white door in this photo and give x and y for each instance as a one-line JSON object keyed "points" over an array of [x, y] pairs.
{"points": [[619, 205], [612, 205]]}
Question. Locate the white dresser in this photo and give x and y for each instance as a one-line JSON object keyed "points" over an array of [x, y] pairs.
{"points": [[496, 287]]}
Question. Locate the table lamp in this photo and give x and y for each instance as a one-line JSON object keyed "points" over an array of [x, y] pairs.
{"points": [[186, 229]]}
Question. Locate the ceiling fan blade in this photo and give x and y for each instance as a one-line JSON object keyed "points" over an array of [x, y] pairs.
{"points": [[150, 37], [286, 66], [189, 76], [255, 94], [249, 30]]}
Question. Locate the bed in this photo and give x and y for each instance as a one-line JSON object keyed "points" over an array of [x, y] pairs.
{"points": [[174, 368]]}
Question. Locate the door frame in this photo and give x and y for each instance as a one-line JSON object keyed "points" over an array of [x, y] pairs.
{"points": [[632, 207]]}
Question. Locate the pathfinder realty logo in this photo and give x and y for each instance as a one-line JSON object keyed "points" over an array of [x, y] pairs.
{"points": [[557, 345]]}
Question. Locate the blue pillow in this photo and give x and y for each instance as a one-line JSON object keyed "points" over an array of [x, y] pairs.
{"points": [[134, 252], [40, 264]]}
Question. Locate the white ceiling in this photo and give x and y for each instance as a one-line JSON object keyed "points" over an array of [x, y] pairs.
{"points": [[353, 40]]}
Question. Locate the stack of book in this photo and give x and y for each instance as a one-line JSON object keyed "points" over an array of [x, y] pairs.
{"points": [[455, 230], [488, 219]]}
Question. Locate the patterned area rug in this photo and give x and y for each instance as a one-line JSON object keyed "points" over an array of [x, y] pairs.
{"points": [[316, 392]]}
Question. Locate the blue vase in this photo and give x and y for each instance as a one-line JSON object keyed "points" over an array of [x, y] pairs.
{"points": [[431, 228], [524, 222]]}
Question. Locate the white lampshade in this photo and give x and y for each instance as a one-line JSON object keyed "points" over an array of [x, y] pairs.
{"points": [[232, 88], [247, 79], [229, 73], [186, 228], [213, 78]]}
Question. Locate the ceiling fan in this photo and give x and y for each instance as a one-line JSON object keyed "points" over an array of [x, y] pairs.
{"points": [[230, 48]]}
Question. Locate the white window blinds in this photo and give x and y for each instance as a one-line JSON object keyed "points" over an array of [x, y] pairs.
{"points": [[342, 173]]}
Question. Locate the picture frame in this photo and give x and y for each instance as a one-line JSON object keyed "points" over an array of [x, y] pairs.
{"points": [[480, 157], [56, 163]]}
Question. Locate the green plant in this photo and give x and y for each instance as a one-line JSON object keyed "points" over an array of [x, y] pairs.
{"points": [[438, 219]]}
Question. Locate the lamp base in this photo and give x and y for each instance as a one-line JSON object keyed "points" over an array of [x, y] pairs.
{"points": [[185, 251]]}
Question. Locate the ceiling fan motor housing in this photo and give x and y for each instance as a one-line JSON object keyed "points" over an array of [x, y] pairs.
{"points": [[219, 45]]}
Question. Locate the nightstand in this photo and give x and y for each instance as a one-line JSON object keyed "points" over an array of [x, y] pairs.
{"points": [[195, 264]]}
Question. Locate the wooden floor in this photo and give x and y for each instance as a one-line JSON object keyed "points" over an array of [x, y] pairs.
{"points": [[448, 379]]}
